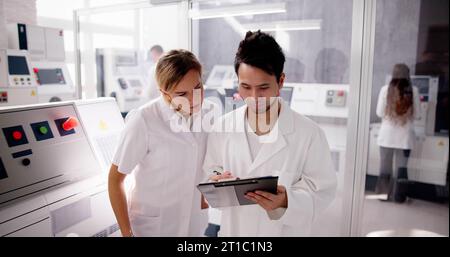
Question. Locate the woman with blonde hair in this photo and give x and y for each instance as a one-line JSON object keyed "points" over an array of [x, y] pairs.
{"points": [[398, 106], [165, 155]]}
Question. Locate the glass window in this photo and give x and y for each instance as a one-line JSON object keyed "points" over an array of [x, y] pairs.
{"points": [[127, 32], [407, 172]]}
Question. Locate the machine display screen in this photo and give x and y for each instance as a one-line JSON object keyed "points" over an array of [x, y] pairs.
{"points": [[50, 76], [17, 65], [423, 85]]}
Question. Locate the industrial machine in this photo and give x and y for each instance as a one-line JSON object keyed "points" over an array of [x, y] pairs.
{"points": [[17, 82], [53, 162], [326, 104], [428, 162], [120, 75], [103, 124], [45, 47]]}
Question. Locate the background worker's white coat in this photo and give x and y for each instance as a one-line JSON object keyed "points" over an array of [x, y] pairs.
{"points": [[167, 167], [300, 156], [392, 134]]}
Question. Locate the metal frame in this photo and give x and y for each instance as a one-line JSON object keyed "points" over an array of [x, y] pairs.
{"points": [[363, 40]]}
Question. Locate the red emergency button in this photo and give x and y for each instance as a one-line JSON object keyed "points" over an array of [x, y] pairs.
{"points": [[17, 135], [70, 124]]}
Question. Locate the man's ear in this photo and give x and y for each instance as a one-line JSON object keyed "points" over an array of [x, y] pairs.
{"points": [[281, 81]]}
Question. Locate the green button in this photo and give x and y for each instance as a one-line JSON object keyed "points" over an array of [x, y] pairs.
{"points": [[43, 130]]}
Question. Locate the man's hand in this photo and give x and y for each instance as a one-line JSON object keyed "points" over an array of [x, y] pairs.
{"points": [[269, 201]]}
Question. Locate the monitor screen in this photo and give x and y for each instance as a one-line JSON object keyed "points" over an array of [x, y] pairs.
{"points": [[423, 85], [17, 65], [50, 76]]}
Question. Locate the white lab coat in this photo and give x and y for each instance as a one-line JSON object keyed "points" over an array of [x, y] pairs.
{"points": [[300, 156], [394, 135], [167, 167]]}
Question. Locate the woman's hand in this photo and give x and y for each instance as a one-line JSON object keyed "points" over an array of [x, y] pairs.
{"points": [[269, 201], [225, 175]]}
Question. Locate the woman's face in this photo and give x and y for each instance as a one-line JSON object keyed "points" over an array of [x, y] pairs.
{"points": [[187, 95]]}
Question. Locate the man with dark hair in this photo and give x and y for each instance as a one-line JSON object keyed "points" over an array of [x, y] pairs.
{"points": [[269, 139]]}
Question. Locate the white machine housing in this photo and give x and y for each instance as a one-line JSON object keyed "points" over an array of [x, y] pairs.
{"points": [[320, 100], [75, 208], [327, 103], [54, 82], [17, 81], [428, 87], [428, 160], [47, 58], [42, 43], [123, 78]]}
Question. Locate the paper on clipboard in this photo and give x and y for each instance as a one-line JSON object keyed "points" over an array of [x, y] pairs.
{"points": [[231, 193]]}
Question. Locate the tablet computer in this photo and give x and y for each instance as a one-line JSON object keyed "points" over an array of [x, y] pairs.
{"points": [[231, 193]]}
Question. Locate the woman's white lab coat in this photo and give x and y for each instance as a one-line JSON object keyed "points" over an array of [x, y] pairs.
{"points": [[391, 134], [299, 155], [167, 167]]}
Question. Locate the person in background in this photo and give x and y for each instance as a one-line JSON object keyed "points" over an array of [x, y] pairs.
{"points": [[398, 105], [153, 55]]}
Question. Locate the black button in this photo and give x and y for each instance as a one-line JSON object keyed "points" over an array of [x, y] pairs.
{"points": [[26, 162], [2, 170]]}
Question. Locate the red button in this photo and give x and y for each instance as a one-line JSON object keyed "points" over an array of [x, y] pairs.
{"points": [[17, 135], [36, 70], [70, 124], [340, 93]]}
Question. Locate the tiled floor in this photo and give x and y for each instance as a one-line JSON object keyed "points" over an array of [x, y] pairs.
{"points": [[412, 218]]}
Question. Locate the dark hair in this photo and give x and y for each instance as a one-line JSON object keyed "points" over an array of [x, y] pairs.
{"points": [[157, 48], [400, 95], [260, 50]]}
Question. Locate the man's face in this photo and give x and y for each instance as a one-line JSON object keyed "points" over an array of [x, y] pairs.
{"points": [[258, 88]]}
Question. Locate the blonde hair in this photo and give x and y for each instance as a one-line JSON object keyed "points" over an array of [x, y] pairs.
{"points": [[172, 67]]}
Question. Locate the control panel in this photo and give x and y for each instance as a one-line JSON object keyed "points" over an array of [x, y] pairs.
{"points": [[54, 82], [42, 146], [17, 82], [336, 98], [320, 100]]}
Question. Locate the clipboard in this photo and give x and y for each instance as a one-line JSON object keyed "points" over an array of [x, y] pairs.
{"points": [[231, 193]]}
